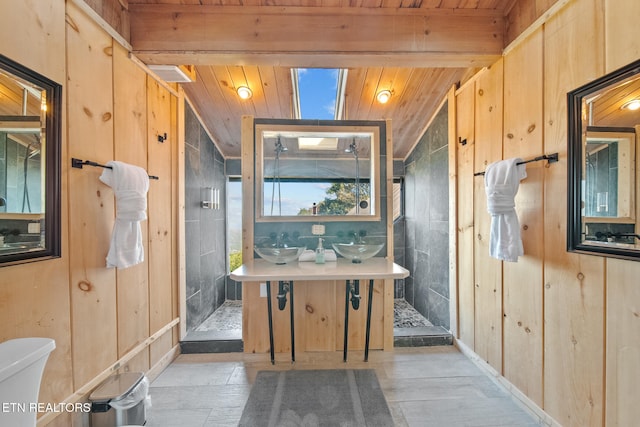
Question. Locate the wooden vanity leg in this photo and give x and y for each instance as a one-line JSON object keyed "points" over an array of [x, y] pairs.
{"points": [[346, 319], [293, 339], [369, 303], [270, 322]]}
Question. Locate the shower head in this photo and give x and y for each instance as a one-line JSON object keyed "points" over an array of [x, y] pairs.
{"points": [[352, 148], [280, 148]]}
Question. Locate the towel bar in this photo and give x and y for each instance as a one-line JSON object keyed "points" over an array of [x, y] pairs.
{"points": [[77, 163], [552, 158]]}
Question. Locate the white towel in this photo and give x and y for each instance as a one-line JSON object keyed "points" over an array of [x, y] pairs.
{"points": [[310, 256], [502, 180], [130, 185]]}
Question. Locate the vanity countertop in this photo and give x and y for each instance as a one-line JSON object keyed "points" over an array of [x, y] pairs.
{"points": [[342, 269]]}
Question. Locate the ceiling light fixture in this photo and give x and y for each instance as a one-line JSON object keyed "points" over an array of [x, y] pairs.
{"points": [[244, 92], [383, 96], [632, 105]]}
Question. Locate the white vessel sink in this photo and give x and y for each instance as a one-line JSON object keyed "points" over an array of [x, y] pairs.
{"points": [[278, 255], [357, 252]]}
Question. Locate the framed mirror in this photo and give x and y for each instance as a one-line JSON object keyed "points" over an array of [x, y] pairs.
{"points": [[317, 171], [29, 164], [604, 168]]}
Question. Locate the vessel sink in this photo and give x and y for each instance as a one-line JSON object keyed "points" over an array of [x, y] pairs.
{"points": [[358, 251], [280, 255]]}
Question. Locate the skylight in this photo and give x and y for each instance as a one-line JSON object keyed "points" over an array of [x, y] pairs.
{"points": [[318, 93]]}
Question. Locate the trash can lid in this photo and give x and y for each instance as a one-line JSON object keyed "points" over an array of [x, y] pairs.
{"points": [[116, 387]]}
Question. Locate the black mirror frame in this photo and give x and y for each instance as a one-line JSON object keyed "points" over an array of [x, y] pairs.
{"points": [[574, 164], [53, 132]]}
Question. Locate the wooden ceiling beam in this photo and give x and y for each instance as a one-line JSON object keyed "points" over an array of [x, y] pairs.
{"points": [[315, 37]]}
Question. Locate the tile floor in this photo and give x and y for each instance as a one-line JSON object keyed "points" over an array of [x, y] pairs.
{"points": [[424, 386]]}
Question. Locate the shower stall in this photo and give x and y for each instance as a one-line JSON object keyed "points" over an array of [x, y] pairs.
{"points": [[214, 302]]}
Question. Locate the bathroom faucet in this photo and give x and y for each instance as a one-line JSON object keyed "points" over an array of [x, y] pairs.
{"points": [[279, 238]]}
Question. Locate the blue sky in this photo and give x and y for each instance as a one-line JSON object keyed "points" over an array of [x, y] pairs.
{"points": [[318, 88], [295, 196]]}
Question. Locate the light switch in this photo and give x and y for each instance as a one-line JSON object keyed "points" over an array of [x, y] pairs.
{"points": [[263, 290]]}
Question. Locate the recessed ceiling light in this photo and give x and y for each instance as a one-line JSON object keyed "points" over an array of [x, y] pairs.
{"points": [[383, 96], [244, 92], [632, 105]]}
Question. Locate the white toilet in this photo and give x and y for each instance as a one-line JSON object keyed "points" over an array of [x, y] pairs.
{"points": [[22, 363]]}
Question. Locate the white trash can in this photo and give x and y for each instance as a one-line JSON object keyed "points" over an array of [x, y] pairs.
{"points": [[121, 400]]}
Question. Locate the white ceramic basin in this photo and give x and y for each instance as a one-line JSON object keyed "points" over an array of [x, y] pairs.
{"points": [[357, 252], [280, 255]]}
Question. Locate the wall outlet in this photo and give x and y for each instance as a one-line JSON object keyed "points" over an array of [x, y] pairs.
{"points": [[33, 228], [263, 290]]}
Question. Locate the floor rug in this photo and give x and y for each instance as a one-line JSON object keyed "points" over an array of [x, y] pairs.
{"points": [[345, 398]]}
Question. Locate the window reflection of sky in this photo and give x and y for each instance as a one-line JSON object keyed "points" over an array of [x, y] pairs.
{"points": [[294, 196]]}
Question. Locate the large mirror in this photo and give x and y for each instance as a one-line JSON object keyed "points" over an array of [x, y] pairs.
{"points": [[317, 171], [604, 168], [29, 165]]}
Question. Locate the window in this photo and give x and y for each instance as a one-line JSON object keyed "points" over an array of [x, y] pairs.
{"points": [[318, 93], [398, 199], [234, 222]]}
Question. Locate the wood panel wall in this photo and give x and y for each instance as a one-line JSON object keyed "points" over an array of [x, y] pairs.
{"points": [[103, 320], [560, 328], [35, 301]]}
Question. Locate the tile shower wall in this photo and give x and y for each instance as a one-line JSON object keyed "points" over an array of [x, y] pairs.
{"points": [[205, 237], [427, 223]]}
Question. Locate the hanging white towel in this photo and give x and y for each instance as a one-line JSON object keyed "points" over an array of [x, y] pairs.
{"points": [[502, 180], [130, 184]]}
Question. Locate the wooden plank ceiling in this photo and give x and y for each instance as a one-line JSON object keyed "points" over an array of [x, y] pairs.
{"points": [[416, 49]]}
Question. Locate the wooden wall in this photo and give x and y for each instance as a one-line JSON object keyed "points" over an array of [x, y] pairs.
{"points": [[103, 320], [561, 328]]}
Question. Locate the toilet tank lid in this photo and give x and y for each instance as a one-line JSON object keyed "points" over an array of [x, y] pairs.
{"points": [[19, 353], [116, 387]]}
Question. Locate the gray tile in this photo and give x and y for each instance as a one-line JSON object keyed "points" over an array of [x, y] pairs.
{"points": [[436, 366], [427, 228], [438, 310], [160, 417], [437, 386], [192, 183], [194, 302], [439, 185], [215, 397], [191, 128], [227, 417], [479, 412], [194, 374], [192, 258]]}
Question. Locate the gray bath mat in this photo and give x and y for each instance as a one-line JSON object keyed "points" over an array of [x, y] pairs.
{"points": [[345, 397]]}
